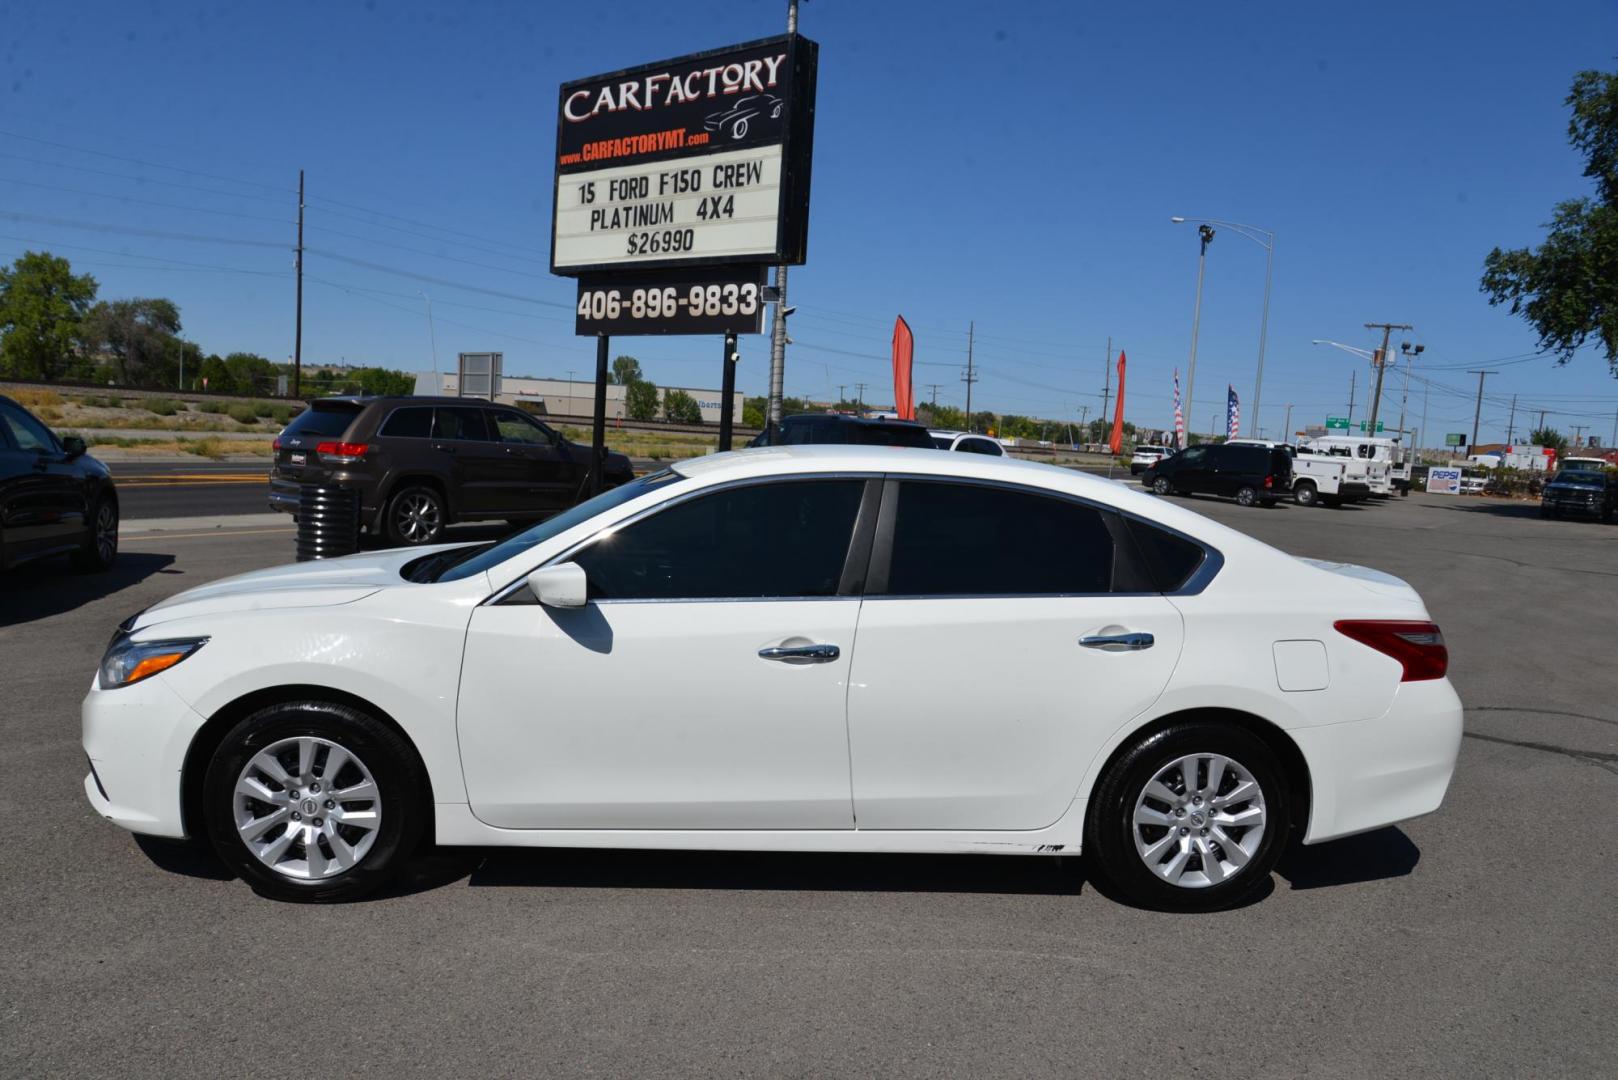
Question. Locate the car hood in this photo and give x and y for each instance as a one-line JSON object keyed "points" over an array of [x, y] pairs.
{"points": [[1563, 485], [320, 583]]}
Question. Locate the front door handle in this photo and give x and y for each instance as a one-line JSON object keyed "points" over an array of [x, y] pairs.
{"points": [[1118, 642], [801, 654]]}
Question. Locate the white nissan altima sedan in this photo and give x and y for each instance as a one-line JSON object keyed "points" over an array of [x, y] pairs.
{"points": [[857, 649]]}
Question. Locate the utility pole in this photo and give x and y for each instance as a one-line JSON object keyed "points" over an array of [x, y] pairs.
{"points": [[1578, 434], [1511, 425], [297, 337], [935, 387], [778, 324], [1478, 411], [1614, 430], [1541, 420], [859, 397], [1421, 436], [1286, 432], [1106, 377], [971, 374], [1381, 362], [1084, 412], [840, 388], [1351, 375]]}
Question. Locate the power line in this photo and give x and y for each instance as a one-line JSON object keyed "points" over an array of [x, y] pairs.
{"points": [[148, 164]]}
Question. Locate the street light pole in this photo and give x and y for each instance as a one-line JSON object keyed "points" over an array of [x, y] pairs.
{"points": [[1206, 233], [432, 336], [1264, 238]]}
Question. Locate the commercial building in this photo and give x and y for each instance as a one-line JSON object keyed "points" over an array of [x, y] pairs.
{"points": [[570, 397]]}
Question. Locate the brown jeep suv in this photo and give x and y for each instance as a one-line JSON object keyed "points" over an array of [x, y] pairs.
{"points": [[420, 463]]}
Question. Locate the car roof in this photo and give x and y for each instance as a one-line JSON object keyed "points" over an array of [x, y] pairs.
{"points": [[845, 418], [406, 399]]}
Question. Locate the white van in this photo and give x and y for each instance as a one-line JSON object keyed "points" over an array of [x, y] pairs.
{"points": [[1389, 471]]}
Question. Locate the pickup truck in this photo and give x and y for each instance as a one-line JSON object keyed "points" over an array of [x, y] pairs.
{"points": [[1320, 479]]}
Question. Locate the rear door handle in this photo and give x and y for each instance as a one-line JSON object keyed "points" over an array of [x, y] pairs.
{"points": [[1118, 642], [801, 654], [448, 448]]}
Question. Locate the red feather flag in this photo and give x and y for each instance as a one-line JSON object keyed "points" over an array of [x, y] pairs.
{"points": [[1116, 443], [904, 352]]}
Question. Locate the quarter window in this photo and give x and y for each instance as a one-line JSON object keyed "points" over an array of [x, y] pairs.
{"points": [[781, 539], [415, 422], [966, 540]]}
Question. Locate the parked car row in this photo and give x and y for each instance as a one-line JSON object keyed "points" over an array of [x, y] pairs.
{"points": [[1261, 472]]}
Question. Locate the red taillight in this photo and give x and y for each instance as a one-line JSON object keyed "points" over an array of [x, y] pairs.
{"points": [[1269, 481], [342, 451], [1418, 646], [275, 444]]}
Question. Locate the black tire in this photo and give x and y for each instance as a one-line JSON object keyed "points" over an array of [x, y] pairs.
{"points": [[1305, 494], [1331, 500], [100, 548], [1109, 830], [1547, 512], [401, 785], [416, 515], [1161, 486], [1246, 496]]}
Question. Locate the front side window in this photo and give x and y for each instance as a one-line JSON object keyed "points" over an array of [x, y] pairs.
{"points": [[1191, 455], [28, 433], [788, 538], [980, 446], [972, 540], [513, 427]]}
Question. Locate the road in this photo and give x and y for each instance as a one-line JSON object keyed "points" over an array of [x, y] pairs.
{"points": [[186, 488], [1477, 941]]}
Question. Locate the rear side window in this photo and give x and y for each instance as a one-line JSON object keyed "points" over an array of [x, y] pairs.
{"points": [[324, 419], [980, 446], [971, 540], [455, 422], [891, 435], [780, 539], [415, 422], [1170, 559]]}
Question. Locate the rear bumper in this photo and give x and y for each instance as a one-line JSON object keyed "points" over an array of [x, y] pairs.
{"points": [[136, 739], [1369, 773]]}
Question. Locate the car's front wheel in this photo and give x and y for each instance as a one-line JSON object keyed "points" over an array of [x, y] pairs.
{"points": [[415, 516], [1190, 818], [312, 801], [1247, 496]]}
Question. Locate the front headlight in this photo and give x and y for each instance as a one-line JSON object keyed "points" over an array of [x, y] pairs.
{"points": [[129, 662]]}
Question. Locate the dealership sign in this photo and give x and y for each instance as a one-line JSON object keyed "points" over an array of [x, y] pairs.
{"points": [[702, 160], [689, 300]]}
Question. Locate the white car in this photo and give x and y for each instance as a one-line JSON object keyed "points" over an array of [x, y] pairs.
{"points": [[968, 443], [819, 648], [1145, 457]]}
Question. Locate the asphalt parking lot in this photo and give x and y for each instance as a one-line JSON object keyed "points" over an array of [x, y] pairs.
{"points": [[1477, 941]]}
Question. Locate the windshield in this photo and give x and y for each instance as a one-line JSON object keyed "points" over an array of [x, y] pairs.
{"points": [[483, 558], [1579, 477]]}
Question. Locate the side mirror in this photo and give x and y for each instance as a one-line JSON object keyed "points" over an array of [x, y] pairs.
{"points": [[74, 445], [562, 585]]}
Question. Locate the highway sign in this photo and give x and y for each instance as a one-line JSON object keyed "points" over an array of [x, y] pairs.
{"points": [[1336, 423], [699, 160], [1365, 426], [1455, 439]]}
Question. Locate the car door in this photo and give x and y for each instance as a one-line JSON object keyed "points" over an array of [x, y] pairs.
{"points": [[702, 686], [476, 463], [1004, 637], [43, 502], [540, 474], [1188, 470]]}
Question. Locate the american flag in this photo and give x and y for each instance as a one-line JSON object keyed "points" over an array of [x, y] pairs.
{"points": [[1179, 417], [1233, 413]]}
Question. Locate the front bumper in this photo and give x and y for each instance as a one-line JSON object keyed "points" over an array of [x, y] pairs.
{"points": [[1572, 503], [1369, 773], [136, 738]]}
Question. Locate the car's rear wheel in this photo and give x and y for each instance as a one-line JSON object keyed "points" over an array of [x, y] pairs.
{"points": [[312, 801], [1247, 496], [415, 515], [1190, 818], [100, 548], [1161, 486], [1304, 494]]}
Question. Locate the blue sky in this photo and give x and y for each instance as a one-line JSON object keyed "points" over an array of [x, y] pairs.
{"points": [[1012, 164]]}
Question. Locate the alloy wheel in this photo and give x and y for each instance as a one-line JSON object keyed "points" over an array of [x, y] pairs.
{"points": [[106, 531], [1199, 821], [307, 808], [418, 517]]}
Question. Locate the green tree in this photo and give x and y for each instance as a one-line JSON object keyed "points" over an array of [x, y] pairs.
{"points": [[753, 412], [382, 382], [1567, 288], [42, 303], [681, 408], [212, 374], [625, 370], [248, 374], [640, 400], [1549, 437], [137, 334]]}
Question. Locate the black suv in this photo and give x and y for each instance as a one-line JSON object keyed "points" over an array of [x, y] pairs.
{"points": [[420, 463], [1248, 474], [805, 429], [54, 498], [1580, 493]]}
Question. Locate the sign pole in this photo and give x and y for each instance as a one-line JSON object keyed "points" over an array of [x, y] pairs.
{"points": [[727, 401], [598, 434]]}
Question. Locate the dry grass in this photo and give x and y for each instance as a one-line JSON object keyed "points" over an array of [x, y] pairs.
{"points": [[208, 447], [37, 399]]}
